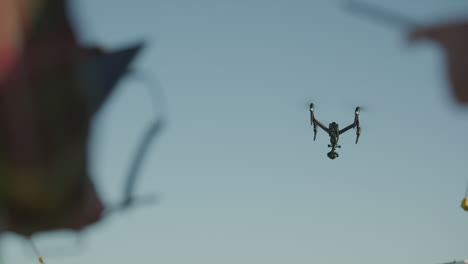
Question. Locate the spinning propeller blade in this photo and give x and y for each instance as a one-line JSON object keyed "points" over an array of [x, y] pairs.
{"points": [[35, 250], [381, 15], [142, 200]]}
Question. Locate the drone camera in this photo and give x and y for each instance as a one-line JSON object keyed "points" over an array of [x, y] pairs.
{"points": [[332, 155]]}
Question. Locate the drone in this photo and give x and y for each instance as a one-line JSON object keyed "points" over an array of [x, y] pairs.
{"points": [[334, 132]]}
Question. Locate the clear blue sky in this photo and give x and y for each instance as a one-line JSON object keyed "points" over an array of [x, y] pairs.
{"points": [[241, 179]]}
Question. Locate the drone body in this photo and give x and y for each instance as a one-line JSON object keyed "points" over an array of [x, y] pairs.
{"points": [[334, 132]]}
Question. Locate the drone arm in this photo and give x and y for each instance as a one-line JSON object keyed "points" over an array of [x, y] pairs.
{"points": [[347, 128], [315, 131], [358, 133], [312, 119], [355, 124], [314, 122], [320, 125]]}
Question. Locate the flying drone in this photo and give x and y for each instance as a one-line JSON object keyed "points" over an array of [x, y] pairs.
{"points": [[334, 132]]}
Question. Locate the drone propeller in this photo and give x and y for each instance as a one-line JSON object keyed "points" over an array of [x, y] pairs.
{"points": [[68, 250], [143, 200], [380, 14], [365, 108], [35, 250], [464, 202], [307, 102], [341, 105], [466, 191]]}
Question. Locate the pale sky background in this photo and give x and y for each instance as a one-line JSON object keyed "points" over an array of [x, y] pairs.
{"points": [[240, 177]]}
